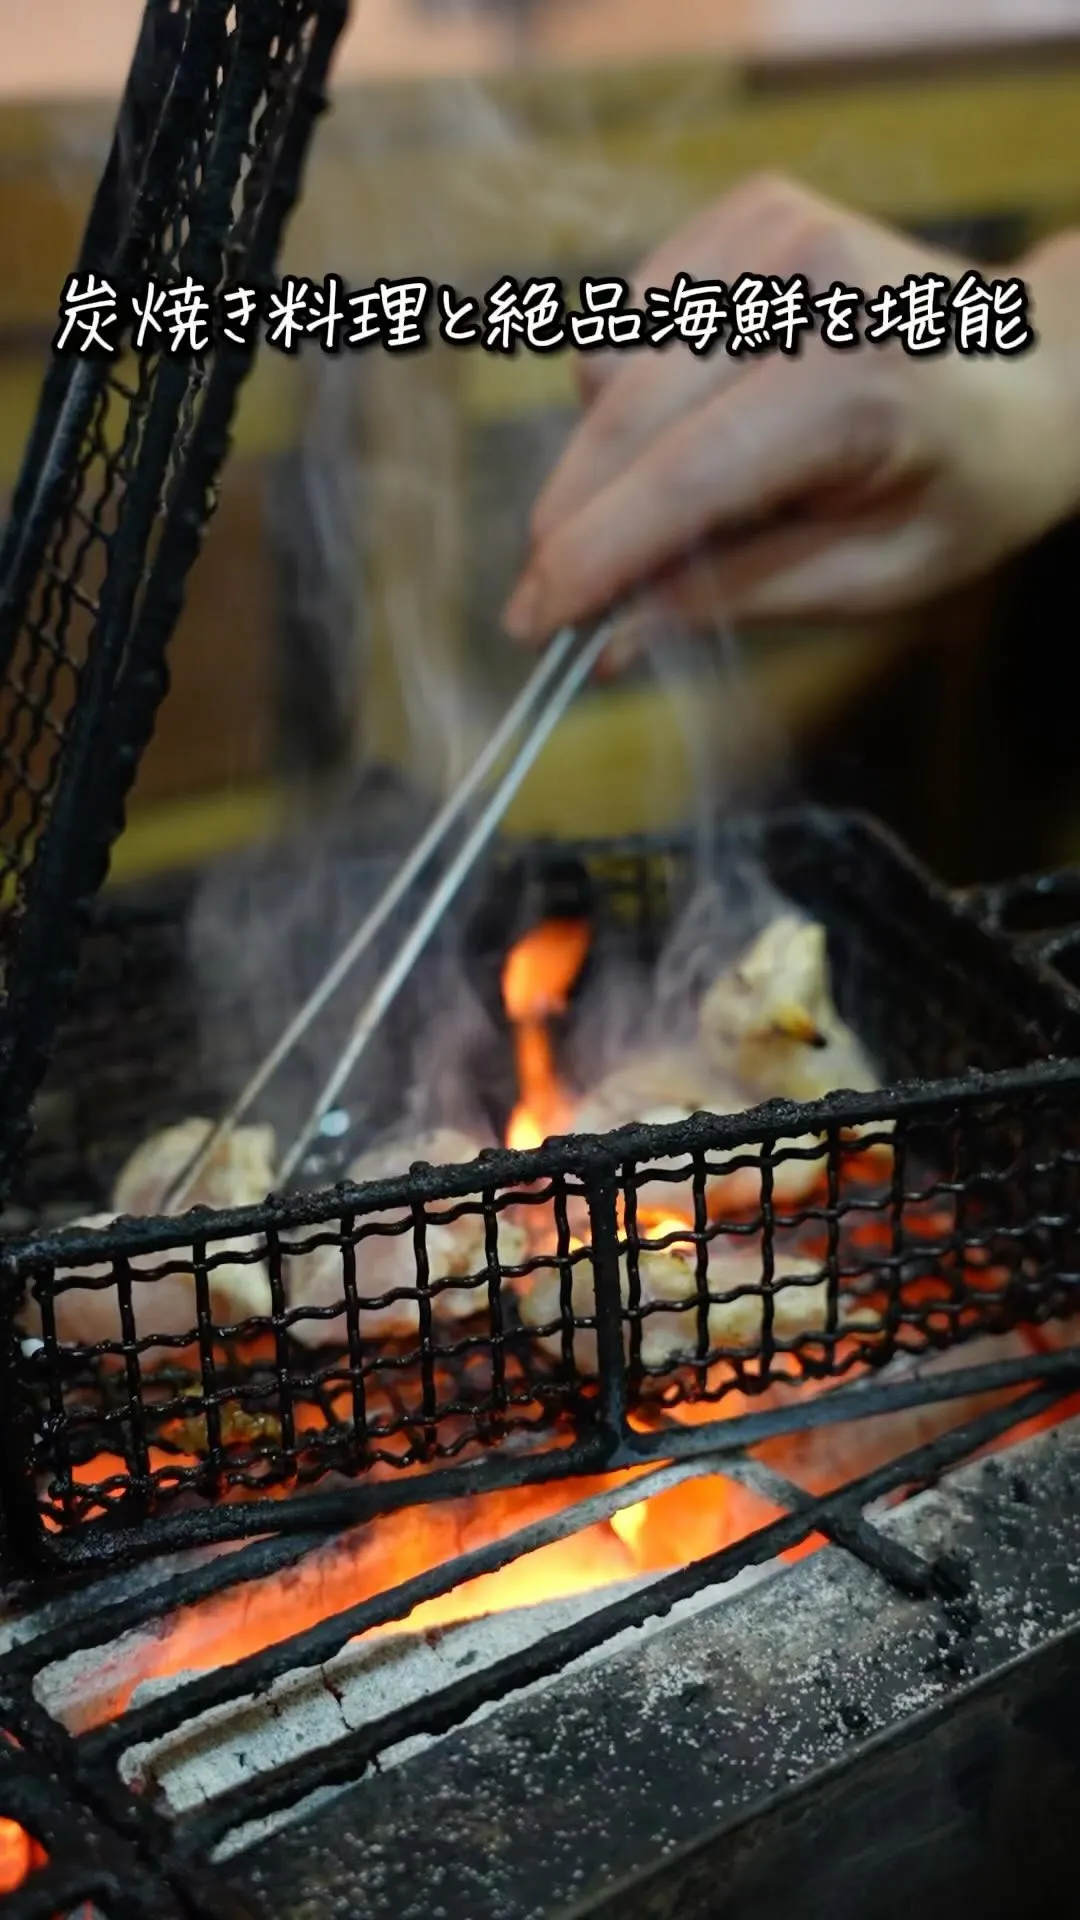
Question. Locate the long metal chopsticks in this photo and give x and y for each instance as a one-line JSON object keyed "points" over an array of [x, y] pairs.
{"points": [[566, 665]]}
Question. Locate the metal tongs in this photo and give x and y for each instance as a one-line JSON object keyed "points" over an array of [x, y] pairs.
{"points": [[563, 670]]}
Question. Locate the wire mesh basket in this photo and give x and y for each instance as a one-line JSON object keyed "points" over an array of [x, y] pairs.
{"points": [[944, 1206], [120, 471]]}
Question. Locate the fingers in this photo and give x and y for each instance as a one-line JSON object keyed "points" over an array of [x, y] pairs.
{"points": [[765, 226], [831, 571], [633, 408], [593, 373], [762, 226], [820, 570], [727, 466]]}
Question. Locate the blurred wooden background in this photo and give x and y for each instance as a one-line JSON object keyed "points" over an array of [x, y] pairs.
{"points": [[465, 144]]}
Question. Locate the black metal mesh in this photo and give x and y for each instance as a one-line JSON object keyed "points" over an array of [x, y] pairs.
{"points": [[544, 1309], [121, 468]]}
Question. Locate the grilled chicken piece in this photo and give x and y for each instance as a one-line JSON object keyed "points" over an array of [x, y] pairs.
{"points": [[386, 1262], [667, 1078], [665, 1087], [668, 1278], [240, 1174], [88, 1311], [770, 1020]]}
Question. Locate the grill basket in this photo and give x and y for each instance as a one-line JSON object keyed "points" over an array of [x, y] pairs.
{"points": [[969, 1225], [119, 475]]}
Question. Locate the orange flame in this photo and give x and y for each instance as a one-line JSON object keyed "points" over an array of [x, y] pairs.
{"points": [[536, 982], [651, 1536], [663, 1226]]}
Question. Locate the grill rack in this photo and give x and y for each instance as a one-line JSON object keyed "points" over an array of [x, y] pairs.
{"points": [[974, 1230], [111, 1845], [107, 1844], [120, 472]]}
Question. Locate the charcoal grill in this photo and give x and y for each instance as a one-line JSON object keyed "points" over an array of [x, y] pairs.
{"points": [[978, 1033], [934, 1653], [974, 1231]]}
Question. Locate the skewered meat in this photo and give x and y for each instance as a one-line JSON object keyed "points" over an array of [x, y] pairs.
{"points": [[240, 1173], [668, 1277], [386, 1261], [665, 1087]]}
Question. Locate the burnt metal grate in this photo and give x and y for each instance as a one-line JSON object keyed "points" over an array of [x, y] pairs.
{"points": [[973, 1229], [119, 475], [111, 1845], [968, 1226]]}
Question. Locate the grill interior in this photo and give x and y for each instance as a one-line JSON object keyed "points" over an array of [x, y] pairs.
{"points": [[970, 1228], [109, 1460]]}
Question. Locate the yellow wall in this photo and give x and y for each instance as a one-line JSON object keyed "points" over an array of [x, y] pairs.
{"points": [[408, 177]]}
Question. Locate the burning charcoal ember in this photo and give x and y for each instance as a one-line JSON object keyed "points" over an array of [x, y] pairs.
{"points": [[823, 1457], [668, 1279], [386, 1261], [240, 1174], [771, 1022]]}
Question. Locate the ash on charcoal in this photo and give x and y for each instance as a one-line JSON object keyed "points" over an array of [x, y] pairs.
{"points": [[19, 1625], [625, 1758], [306, 1710]]}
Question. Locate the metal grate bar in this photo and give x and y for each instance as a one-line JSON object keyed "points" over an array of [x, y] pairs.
{"points": [[173, 1856], [904, 1569], [93, 1625], [321, 1643], [117, 1542], [345, 1760]]}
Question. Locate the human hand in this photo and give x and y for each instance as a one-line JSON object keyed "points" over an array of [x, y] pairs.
{"points": [[828, 483]]}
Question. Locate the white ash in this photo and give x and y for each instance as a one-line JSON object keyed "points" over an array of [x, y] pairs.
{"points": [[722, 1713], [772, 1631], [785, 1637], [307, 1710], [19, 1626]]}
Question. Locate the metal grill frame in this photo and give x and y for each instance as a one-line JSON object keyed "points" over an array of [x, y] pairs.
{"points": [[109, 1844], [204, 168], [1039, 1013]]}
